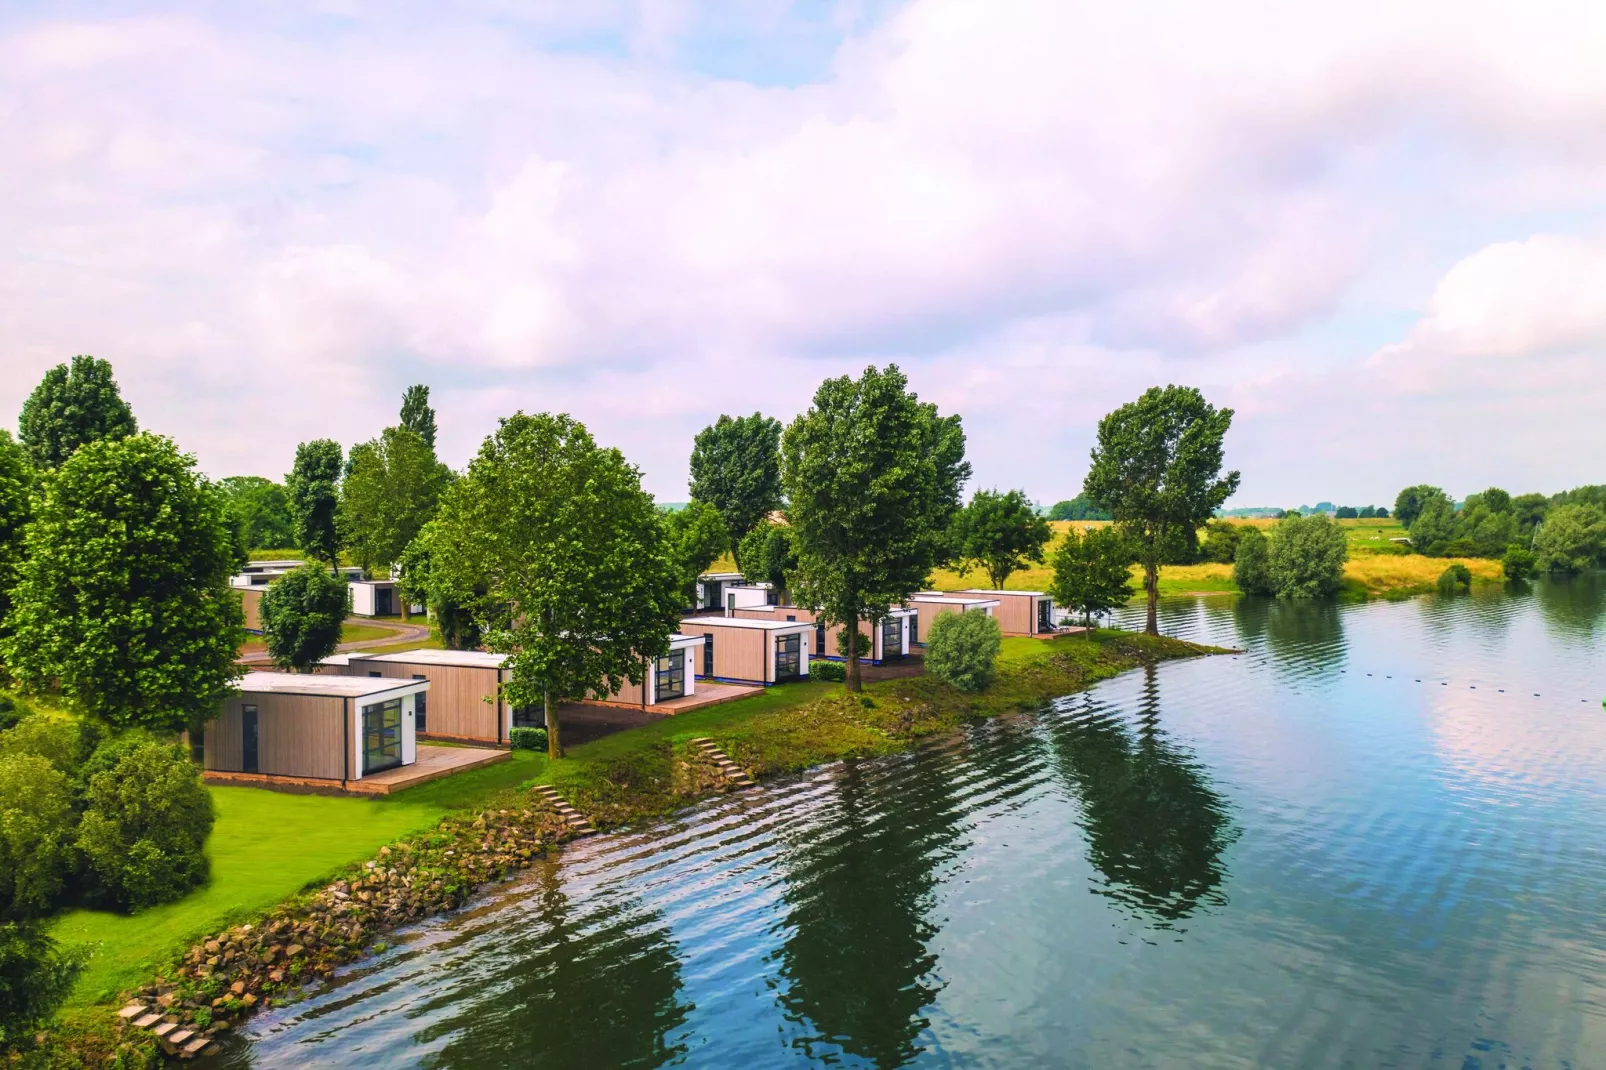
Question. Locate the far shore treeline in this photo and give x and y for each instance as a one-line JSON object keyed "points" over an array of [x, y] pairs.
{"points": [[116, 555]]}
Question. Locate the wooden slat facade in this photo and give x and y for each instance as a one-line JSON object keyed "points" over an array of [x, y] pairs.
{"points": [[462, 703], [1016, 612], [251, 602], [833, 634], [297, 736]]}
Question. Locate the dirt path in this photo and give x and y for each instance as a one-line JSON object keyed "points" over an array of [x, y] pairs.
{"points": [[399, 632]]}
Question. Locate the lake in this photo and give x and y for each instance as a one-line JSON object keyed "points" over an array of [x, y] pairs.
{"points": [[1377, 837]]}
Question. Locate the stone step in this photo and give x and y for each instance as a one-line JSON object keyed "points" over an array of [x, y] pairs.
{"points": [[164, 1029], [133, 1010], [180, 1037], [146, 1021], [196, 1046]]}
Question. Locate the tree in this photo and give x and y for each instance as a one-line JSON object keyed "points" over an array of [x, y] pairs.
{"points": [[1221, 541], [1367, 512], [1434, 527], [961, 649], [736, 468], [1305, 557], [392, 488], [64, 742], [1346, 512], [1486, 528], [260, 511], [1519, 562], [454, 620], [873, 476], [1529, 512], [1251, 564], [416, 414], [124, 601], [572, 555], [1157, 469], [313, 486], [144, 829], [1092, 571], [1409, 502], [1001, 533], [770, 557], [16, 489], [36, 975], [1080, 507], [36, 835], [302, 613], [71, 408], [1572, 539], [697, 536], [1382, 512]]}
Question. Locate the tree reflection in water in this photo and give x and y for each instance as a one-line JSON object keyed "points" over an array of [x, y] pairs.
{"points": [[582, 988], [1155, 828], [1573, 607], [856, 965]]}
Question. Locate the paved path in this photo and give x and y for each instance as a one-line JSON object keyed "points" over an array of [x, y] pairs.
{"points": [[400, 632]]}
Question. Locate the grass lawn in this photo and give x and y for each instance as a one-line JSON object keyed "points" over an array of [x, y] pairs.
{"points": [[266, 846]]}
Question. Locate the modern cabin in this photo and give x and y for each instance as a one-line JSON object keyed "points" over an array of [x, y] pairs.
{"points": [[1020, 612], [295, 727], [378, 598], [673, 677], [744, 651], [251, 602], [889, 639], [711, 589], [929, 605], [464, 702]]}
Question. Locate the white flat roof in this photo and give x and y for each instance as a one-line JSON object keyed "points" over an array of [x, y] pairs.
{"points": [[681, 641], [463, 659], [741, 622], [293, 683], [720, 576], [1032, 594], [954, 600]]}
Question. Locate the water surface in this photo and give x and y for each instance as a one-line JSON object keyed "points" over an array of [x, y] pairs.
{"points": [[1373, 839]]}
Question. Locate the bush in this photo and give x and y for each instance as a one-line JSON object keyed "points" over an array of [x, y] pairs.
{"points": [[10, 712], [36, 834], [527, 738], [1305, 557], [833, 672], [961, 649], [35, 976], [1251, 567], [1519, 562], [1221, 541], [63, 741], [302, 614], [143, 833], [1571, 539], [1457, 575]]}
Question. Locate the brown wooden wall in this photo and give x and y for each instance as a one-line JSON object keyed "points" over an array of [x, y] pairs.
{"points": [[251, 600], [297, 735], [1016, 613], [739, 653], [462, 700], [833, 634]]}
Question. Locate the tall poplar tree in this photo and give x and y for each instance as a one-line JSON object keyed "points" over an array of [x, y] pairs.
{"points": [[416, 414], [392, 487], [72, 407], [314, 489], [736, 468], [872, 478]]}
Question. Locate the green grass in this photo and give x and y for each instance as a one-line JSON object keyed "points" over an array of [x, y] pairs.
{"points": [[266, 846]]}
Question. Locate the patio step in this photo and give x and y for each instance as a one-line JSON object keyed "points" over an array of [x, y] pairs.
{"points": [[577, 822], [734, 774], [177, 1039]]}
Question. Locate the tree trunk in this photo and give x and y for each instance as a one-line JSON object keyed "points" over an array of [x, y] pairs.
{"points": [[850, 632], [1151, 586], [554, 744]]}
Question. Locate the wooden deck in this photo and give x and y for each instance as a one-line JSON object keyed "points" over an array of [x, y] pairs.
{"points": [[433, 763]]}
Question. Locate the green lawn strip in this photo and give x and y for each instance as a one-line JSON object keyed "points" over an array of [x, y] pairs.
{"points": [[356, 633]]}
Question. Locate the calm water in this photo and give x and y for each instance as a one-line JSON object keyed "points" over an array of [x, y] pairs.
{"points": [[1373, 839]]}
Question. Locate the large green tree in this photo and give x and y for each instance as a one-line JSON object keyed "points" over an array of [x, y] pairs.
{"points": [[559, 534], [455, 620], [697, 536], [873, 478], [302, 613], [1435, 525], [416, 414], [314, 488], [1409, 502], [736, 468], [392, 487], [124, 602], [1305, 557], [1001, 533], [1080, 507], [1092, 571], [72, 407], [1157, 469], [1572, 539], [16, 489], [260, 510], [770, 557]]}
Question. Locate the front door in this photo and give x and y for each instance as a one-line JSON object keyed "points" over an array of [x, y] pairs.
{"points": [[708, 653], [384, 602], [891, 639], [248, 739], [1045, 615], [381, 736], [671, 682], [788, 657]]}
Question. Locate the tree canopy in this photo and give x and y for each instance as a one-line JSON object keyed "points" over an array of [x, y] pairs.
{"points": [[736, 468], [314, 489], [416, 414], [1572, 539], [72, 407], [768, 556], [1001, 533], [873, 478], [302, 613], [392, 487], [697, 536], [1305, 557], [260, 511], [1080, 507], [570, 550], [1409, 502], [16, 488], [123, 601], [1157, 469], [1092, 571]]}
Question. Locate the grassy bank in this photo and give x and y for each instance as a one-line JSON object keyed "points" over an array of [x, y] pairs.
{"points": [[267, 847]]}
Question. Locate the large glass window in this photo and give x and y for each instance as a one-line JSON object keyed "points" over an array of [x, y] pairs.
{"points": [[708, 653], [529, 717], [420, 708], [891, 638], [788, 657], [381, 736], [672, 676]]}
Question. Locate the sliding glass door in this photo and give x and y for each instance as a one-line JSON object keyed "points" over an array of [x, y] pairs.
{"points": [[381, 736]]}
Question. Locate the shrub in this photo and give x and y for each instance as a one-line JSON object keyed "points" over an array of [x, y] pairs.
{"points": [[10, 712], [36, 834], [63, 741], [35, 976], [1251, 567], [524, 738], [1457, 575], [1571, 539], [961, 649], [302, 614], [1519, 562], [1305, 557], [143, 833], [829, 671], [1221, 541]]}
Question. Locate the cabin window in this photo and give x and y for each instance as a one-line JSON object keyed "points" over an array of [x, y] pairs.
{"points": [[671, 675], [420, 707], [198, 744], [788, 657], [891, 639], [914, 629], [248, 739], [381, 736], [708, 653], [529, 717], [819, 639]]}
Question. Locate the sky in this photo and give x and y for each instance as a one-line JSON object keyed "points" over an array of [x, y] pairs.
{"points": [[1376, 231]]}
